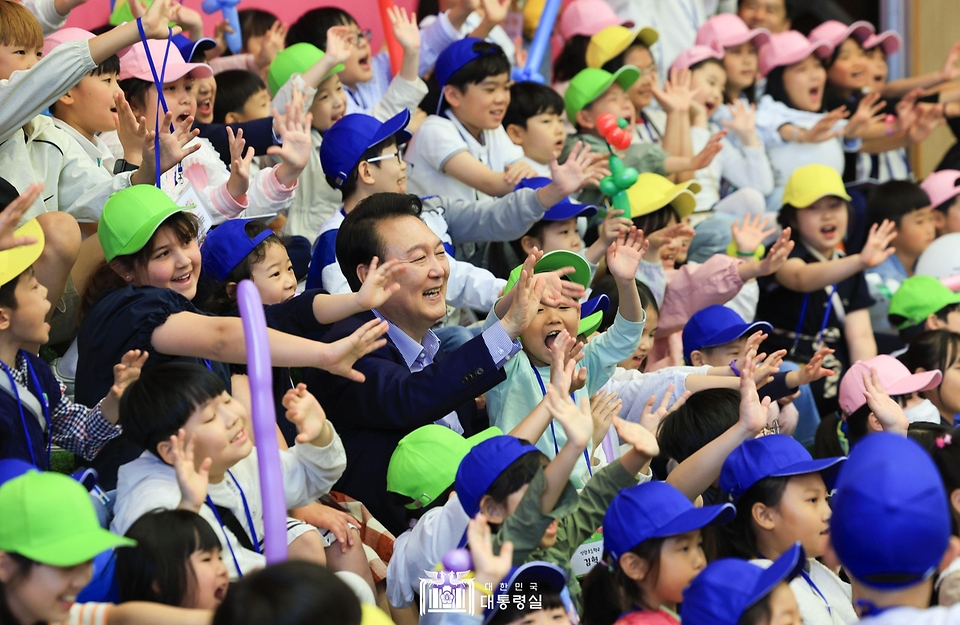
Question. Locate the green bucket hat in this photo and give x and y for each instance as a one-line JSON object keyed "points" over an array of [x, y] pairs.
{"points": [[551, 261], [130, 217], [591, 83], [296, 59], [918, 298], [49, 518], [426, 460]]}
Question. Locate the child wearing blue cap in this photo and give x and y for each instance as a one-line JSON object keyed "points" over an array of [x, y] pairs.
{"points": [[463, 151], [781, 496], [734, 592], [652, 550], [891, 540]]}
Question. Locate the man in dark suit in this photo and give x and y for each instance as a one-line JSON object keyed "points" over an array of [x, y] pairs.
{"points": [[404, 388]]}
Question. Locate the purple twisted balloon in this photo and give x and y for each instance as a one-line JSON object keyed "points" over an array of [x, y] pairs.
{"points": [[264, 422]]}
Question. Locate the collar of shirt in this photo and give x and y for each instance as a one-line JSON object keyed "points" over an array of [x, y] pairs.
{"points": [[465, 134], [97, 150], [820, 257], [416, 355]]}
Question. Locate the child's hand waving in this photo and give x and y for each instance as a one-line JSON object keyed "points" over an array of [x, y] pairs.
{"points": [[405, 28], [273, 41], [604, 407], [772, 262], [131, 131], [743, 123], [294, 131], [753, 412], [304, 411], [124, 374], [157, 17], [489, 569], [13, 213], [526, 300], [624, 255], [868, 113], [876, 249], [379, 284], [887, 411], [814, 370], [340, 44], [612, 226], [338, 357], [192, 479], [642, 439], [577, 421], [564, 356], [704, 157], [751, 232], [239, 180], [568, 178], [173, 148], [650, 418]]}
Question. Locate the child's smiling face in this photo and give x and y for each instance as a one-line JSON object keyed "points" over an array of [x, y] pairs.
{"points": [[556, 235], [481, 106], [641, 92], [274, 275], [709, 81], [27, 323], [92, 103], [741, 64], [330, 103], [359, 67], [178, 95], [172, 265], [646, 341], [823, 225], [804, 83], [878, 69], [851, 70], [205, 92], [218, 431], [210, 580], [549, 321], [44, 593]]}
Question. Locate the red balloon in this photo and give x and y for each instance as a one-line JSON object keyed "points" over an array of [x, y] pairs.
{"points": [[606, 124], [624, 142], [619, 139]]}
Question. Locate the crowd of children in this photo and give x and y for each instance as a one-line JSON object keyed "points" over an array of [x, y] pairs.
{"points": [[671, 336]]}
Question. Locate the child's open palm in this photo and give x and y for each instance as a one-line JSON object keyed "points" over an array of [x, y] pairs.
{"points": [[767, 367], [526, 301], [131, 131], [239, 181], [13, 213], [814, 370], [340, 43], [887, 411], [124, 374], [193, 479], [489, 569], [650, 418], [744, 120], [778, 254], [823, 129], [624, 254], [753, 342], [751, 232], [293, 129], [704, 157], [877, 248], [868, 112], [642, 439], [273, 41], [380, 283], [338, 357], [565, 353], [157, 17], [573, 174], [304, 411], [604, 407], [677, 94], [753, 412], [173, 143], [405, 28], [495, 11], [576, 420]]}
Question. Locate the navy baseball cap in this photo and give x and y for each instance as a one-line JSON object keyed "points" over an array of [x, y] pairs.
{"points": [[716, 325], [567, 208], [777, 455], [727, 588], [352, 135], [531, 578], [591, 313], [891, 519], [226, 246], [655, 510], [13, 467], [458, 54], [189, 47], [481, 467]]}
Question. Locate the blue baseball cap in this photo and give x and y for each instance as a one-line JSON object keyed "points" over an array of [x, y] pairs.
{"points": [[777, 455], [716, 325], [655, 510], [567, 208], [481, 467], [189, 47], [352, 135], [891, 517], [14, 467], [591, 313], [727, 588], [458, 54], [226, 246], [531, 578]]}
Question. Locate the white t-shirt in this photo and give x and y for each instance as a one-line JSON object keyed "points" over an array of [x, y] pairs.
{"points": [[827, 600], [439, 139], [914, 616]]}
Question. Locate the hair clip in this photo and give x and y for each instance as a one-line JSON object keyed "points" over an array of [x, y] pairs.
{"points": [[604, 563], [943, 441]]}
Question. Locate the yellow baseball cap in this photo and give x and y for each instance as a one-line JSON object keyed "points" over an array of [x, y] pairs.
{"points": [[652, 192], [611, 42], [809, 183], [15, 261]]}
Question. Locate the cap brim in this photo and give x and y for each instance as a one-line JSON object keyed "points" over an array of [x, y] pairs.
{"points": [[146, 231], [826, 467], [393, 127], [732, 334], [592, 305], [890, 41], [696, 519], [76, 548], [759, 37], [861, 31], [565, 209], [647, 35], [916, 383], [625, 77], [808, 201], [684, 200], [553, 261], [822, 49], [20, 258], [783, 569], [590, 323]]}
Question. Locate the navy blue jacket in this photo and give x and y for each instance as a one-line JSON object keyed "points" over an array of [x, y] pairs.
{"points": [[13, 441], [371, 417]]}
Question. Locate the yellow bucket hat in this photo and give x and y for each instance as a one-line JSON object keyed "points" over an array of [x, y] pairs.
{"points": [[652, 192], [809, 183], [610, 43], [15, 261]]}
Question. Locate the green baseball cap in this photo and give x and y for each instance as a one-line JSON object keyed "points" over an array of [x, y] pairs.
{"points": [[130, 217], [918, 298], [49, 518], [551, 261], [591, 83], [296, 59], [425, 462]]}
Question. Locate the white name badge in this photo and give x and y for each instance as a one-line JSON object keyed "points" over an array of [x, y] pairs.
{"points": [[587, 555], [189, 198]]}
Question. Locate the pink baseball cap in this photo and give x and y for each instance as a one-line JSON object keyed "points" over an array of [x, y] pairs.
{"points": [[588, 17], [63, 36], [890, 40], [835, 33], [787, 48], [941, 186], [691, 56], [894, 376], [134, 63], [727, 30]]}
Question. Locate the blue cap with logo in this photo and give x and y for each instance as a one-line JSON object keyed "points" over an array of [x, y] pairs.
{"points": [[352, 135], [528, 579], [777, 455], [727, 588], [567, 208], [226, 246], [458, 54], [891, 516], [716, 325], [481, 467], [188, 47], [655, 510]]}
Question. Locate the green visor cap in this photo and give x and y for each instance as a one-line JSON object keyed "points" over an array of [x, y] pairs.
{"points": [[918, 298], [130, 217], [49, 518], [296, 59], [425, 463], [551, 261], [592, 83]]}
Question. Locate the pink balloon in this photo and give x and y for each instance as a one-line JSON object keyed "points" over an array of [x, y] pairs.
{"points": [[264, 422]]}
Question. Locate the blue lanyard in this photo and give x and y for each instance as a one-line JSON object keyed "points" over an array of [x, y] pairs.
{"points": [[357, 97], [650, 129], [803, 314], [43, 404], [158, 83], [806, 577], [253, 529], [553, 431], [869, 608]]}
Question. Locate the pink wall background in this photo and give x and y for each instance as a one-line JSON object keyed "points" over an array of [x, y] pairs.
{"points": [[96, 12]]}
